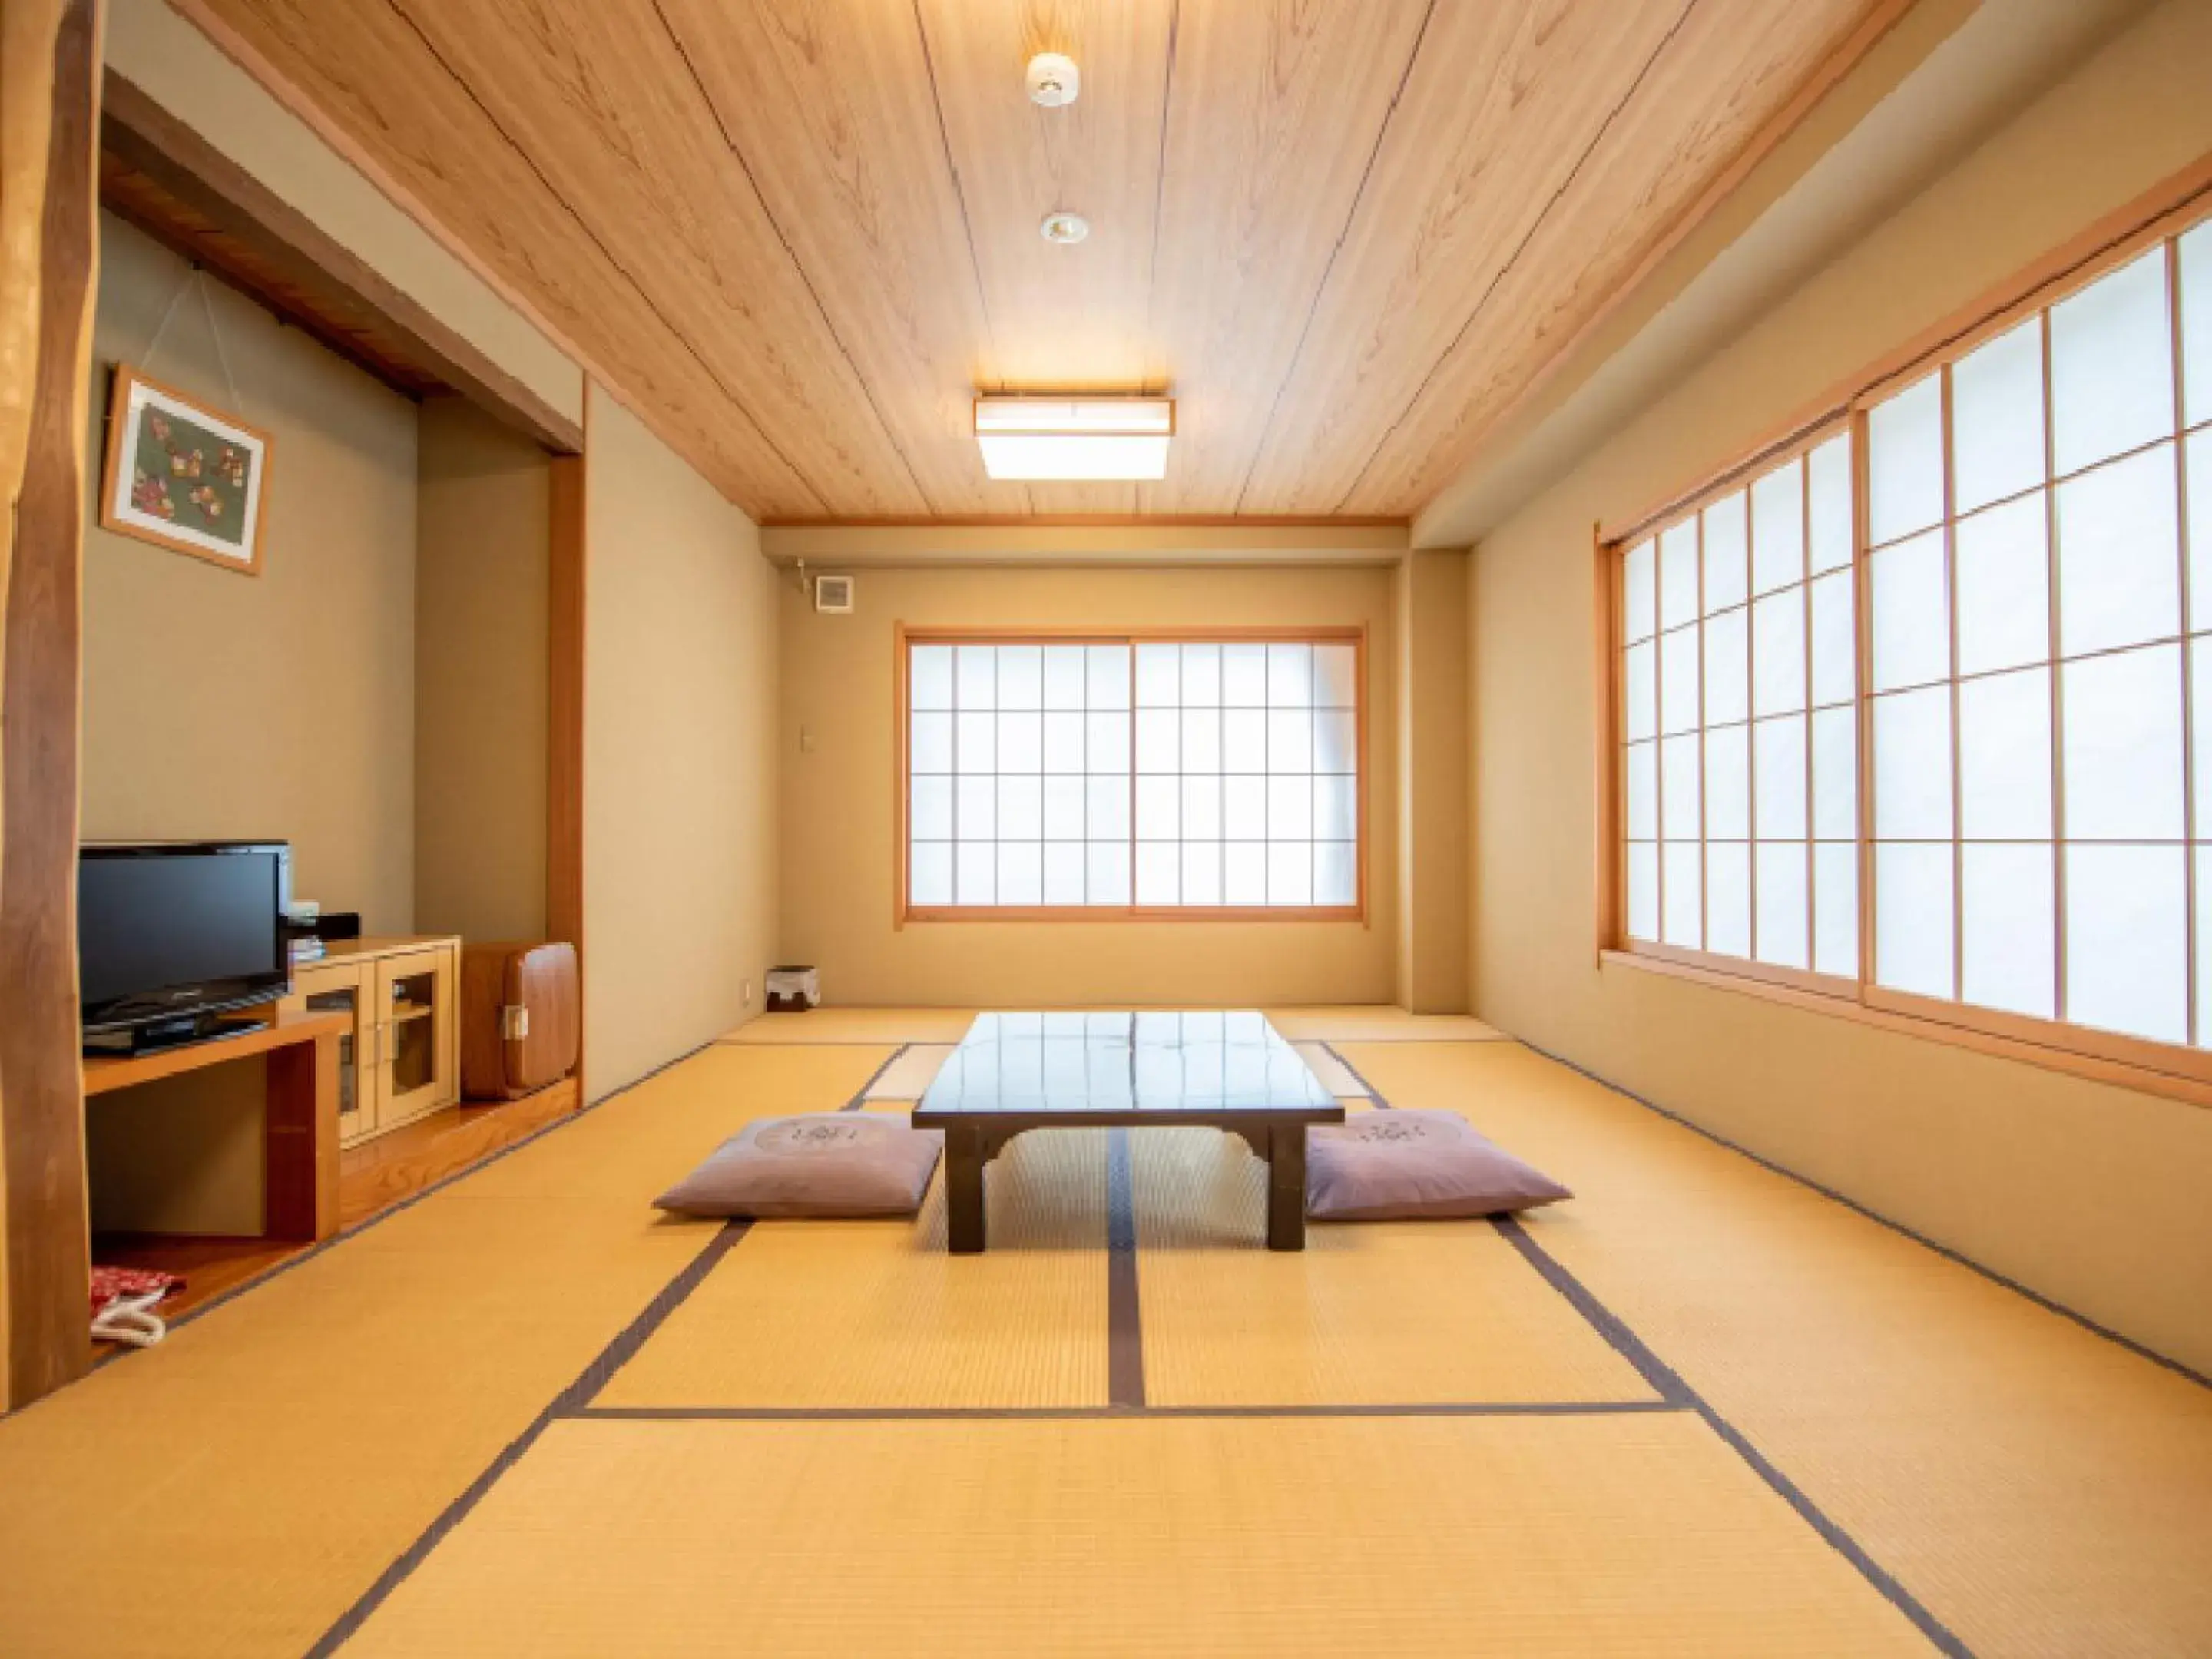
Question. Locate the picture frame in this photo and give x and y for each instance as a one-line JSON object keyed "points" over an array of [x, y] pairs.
{"points": [[182, 474]]}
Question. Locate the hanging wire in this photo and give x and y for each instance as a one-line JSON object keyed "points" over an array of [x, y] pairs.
{"points": [[215, 332], [196, 279]]}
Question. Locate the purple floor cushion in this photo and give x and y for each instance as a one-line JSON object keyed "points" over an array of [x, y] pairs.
{"points": [[826, 1164], [1389, 1165]]}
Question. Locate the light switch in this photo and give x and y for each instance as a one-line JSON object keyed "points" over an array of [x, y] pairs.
{"points": [[805, 739]]}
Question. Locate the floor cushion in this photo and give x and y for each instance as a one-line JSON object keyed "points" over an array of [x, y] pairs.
{"points": [[1395, 1165], [824, 1163]]}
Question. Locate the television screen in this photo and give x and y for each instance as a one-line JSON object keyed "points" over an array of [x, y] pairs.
{"points": [[168, 928]]}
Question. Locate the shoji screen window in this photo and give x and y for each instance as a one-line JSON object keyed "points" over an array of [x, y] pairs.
{"points": [[1738, 676], [1248, 764], [1198, 776], [2039, 520], [1017, 785]]}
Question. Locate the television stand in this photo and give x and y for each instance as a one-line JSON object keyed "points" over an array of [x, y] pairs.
{"points": [[300, 1120]]}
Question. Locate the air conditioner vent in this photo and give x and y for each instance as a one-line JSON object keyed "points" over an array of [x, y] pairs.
{"points": [[834, 595]]}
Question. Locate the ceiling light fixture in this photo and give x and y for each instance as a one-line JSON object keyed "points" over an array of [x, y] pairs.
{"points": [[1075, 439], [1053, 80], [1064, 229]]}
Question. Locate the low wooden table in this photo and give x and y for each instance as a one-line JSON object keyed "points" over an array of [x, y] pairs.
{"points": [[1140, 1071]]}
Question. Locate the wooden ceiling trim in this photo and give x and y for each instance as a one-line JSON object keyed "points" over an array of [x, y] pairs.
{"points": [[1514, 97], [175, 185], [832, 117], [1186, 520], [1287, 106], [1651, 192], [347, 332], [603, 103], [384, 103]]}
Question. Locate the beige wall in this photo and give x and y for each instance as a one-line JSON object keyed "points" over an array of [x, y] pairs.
{"points": [[480, 676], [679, 772], [2091, 1194], [219, 704], [837, 802]]}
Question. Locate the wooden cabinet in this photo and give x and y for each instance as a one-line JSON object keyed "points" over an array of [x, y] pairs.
{"points": [[400, 1055]]}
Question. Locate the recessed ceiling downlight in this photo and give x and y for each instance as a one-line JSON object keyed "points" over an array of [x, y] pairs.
{"points": [[1064, 229], [1053, 80]]}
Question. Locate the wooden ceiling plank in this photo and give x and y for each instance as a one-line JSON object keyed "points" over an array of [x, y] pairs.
{"points": [[596, 96], [1745, 73], [1344, 238], [1274, 119], [831, 110], [1501, 103], [371, 85], [1060, 319]]}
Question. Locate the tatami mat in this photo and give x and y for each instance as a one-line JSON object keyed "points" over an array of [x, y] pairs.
{"points": [[2040, 1489], [1369, 1313], [876, 1313], [889, 1025], [909, 1077], [1378, 1022], [1104, 1539], [231, 1493]]}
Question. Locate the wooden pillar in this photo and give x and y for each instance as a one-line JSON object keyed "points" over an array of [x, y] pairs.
{"points": [[1434, 761], [50, 59], [564, 723]]}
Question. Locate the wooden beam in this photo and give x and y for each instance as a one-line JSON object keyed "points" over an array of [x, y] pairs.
{"points": [[156, 144], [50, 64]]}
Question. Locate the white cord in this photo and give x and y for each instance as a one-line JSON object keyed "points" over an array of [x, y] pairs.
{"points": [[131, 1319], [154, 344], [196, 279], [215, 333]]}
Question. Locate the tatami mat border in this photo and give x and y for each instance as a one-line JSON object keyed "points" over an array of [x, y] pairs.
{"points": [[567, 1403], [1945, 1251], [1126, 1413], [1125, 1326], [860, 1094], [1669, 1385]]}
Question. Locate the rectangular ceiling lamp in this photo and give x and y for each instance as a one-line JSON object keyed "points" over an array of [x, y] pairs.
{"points": [[1075, 438]]}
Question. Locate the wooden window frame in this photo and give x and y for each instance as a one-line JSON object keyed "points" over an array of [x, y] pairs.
{"points": [[903, 638], [2175, 1071]]}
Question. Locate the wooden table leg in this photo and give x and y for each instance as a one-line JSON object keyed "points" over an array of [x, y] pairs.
{"points": [[964, 1191], [1287, 1187], [301, 1125]]}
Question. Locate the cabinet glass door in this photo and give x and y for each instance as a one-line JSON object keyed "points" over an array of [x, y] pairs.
{"points": [[415, 1004], [356, 1069]]}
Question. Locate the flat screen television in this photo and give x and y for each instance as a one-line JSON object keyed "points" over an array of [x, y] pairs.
{"points": [[170, 934]]}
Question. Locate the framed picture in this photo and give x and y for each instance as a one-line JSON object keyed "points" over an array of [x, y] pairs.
{"points": [[183, 475]]}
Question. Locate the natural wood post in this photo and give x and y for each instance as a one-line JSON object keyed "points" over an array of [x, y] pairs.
{"points": [[50, 59]]}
